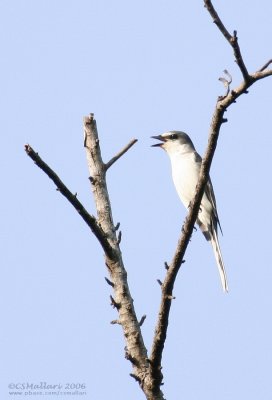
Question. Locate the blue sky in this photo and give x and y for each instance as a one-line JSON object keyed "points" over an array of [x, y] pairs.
{"points": [[143, 68]]}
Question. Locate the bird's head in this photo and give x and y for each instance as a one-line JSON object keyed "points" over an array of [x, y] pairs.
{"points": [[174, 141]]}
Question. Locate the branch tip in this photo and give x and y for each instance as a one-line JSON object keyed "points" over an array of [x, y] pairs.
{"points": [[114, 304], [120, 154], [226, 82], [232, 39], [117, 226], [115, 322], [137, 379], [170, 297], [109, 282], [119, 237], [89, 119], [92, 180], [132, 359], [265, 65], [142, 320]]}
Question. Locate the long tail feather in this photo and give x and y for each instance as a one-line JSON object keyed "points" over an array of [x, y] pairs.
{"points": [[219, 261]]}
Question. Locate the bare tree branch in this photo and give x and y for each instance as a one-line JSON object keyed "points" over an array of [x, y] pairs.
{"points": [[89, 219], [142, 320], [169, 281], [217, 120], [226, 82], [118, 155], [109, 282], [135, 348], [106, 233], [265, 65], [233, 40], [147, 371]]}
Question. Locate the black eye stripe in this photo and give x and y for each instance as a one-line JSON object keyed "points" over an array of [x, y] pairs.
{"points": [[173, 136]]}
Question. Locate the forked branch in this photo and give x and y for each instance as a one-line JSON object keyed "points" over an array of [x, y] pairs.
{"points": [[106, 233], [147, 371], [217, 120]]}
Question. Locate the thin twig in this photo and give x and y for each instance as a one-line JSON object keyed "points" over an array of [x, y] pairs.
{"points": [[217, 19], [114, 303], [62, 188], [109, 282], [119, 237], [265, 65], [226, 82], [142, 320], [116, 321], [232, 39], [117, 226], [121, 152]]}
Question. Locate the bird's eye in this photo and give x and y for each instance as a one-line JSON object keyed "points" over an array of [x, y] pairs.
{"points": [[173, 136]]}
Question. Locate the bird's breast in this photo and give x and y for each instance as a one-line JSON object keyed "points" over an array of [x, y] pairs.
{"points": [[185, 172]]}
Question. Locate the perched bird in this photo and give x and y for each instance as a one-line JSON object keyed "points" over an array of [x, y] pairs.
{"points": [[186, 163]]}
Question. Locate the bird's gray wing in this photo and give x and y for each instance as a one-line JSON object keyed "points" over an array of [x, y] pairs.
{"points": [[198, 158], [210, 195]]}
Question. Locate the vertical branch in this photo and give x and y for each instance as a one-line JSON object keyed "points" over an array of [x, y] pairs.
{"points": [[97, 171], [217, 120], [135, 349]]}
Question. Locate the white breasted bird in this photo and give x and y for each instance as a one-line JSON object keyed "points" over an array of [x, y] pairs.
{"points": [[186, 163]]}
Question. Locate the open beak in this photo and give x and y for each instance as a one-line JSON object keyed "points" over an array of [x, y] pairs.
{"points": [[158, 138]]}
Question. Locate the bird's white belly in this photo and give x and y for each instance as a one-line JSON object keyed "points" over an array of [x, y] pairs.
{"points": [[185, 172]]}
